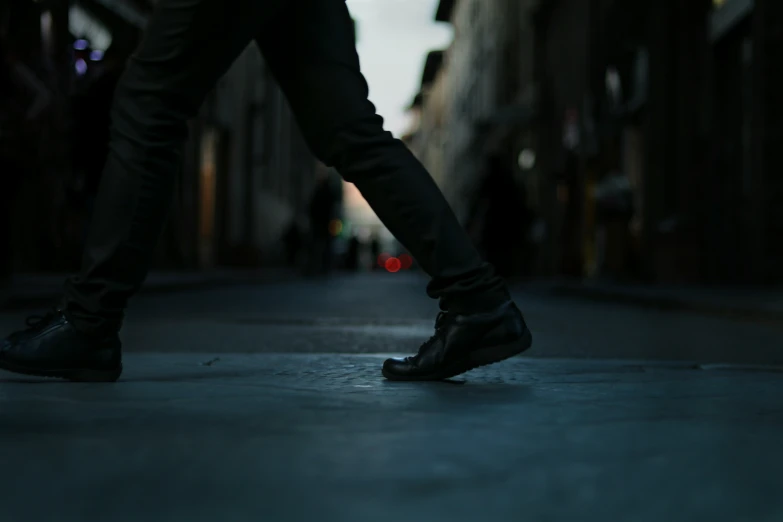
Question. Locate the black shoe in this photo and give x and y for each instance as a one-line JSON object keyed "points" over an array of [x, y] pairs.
{"points": [[462, 343], [52, 347]]}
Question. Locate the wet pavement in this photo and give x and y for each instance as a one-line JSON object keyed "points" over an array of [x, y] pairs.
{"points": [[232, 408]]}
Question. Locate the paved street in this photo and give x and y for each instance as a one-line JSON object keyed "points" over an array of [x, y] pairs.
{"points": [[233, 408], [388, 313]]}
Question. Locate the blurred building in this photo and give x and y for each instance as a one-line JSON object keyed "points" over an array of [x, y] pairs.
{"points": [[246, 174], [692, 106], [254, 173], [478, 98], [469, 77], [429, 121], [669, 104]]}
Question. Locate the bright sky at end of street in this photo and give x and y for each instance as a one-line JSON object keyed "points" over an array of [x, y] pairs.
{"points": [[394, 37]]}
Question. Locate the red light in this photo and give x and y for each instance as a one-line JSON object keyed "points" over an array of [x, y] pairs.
{"points": [[382, 259], [393, 265], [406, 261], [335, 227]]}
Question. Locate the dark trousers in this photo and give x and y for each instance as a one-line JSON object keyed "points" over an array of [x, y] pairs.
{"points": [[9, 177], [6, 252], [309, 46]]}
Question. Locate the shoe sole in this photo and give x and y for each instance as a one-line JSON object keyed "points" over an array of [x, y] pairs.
{"points": [[477, 359], [75, 375]]}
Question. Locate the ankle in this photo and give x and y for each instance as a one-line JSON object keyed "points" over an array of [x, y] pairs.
{"points": [[93, 325], [477, 304]]}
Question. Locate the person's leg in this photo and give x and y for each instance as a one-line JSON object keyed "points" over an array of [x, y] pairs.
{"points": [[314, 58], [313, 55], [6, 251], [187, 46]]}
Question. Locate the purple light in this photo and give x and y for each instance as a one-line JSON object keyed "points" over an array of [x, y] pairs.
{"points": [[81, 67], [80, 44], [96, 56]]}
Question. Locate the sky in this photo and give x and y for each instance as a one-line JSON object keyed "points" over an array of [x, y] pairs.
{"points": [[394, 37]]}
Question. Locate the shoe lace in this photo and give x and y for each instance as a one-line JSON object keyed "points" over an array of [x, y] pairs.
{"points": [[440, 323], [38, 322]]}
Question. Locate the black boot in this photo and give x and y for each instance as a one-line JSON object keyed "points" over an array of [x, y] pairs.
{"points": [[462, 343], [52, 347]]}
